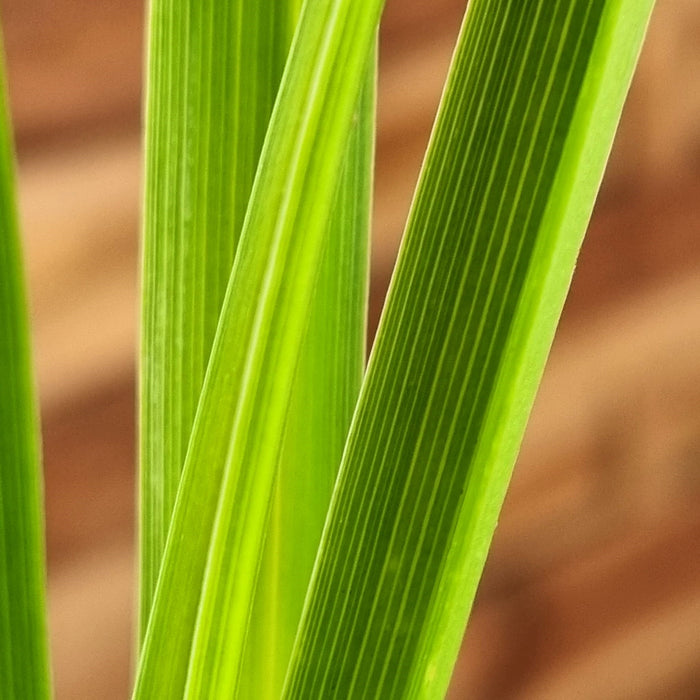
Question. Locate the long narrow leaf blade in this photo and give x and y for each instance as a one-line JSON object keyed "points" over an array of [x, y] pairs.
{"points": [[326, 388], [241, 415], [24, 669], [535, 92], [214, 70]]}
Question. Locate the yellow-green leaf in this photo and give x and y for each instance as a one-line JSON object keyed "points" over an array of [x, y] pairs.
{"points": [[524, 130], [217, 533]]}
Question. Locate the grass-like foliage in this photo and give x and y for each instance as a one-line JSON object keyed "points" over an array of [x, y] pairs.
{"points": [[309, 529]]}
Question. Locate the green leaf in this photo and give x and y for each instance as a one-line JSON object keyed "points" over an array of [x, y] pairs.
{"points": [[214, 69], [326, 387], [525, 127], [228, 479], [24, 671]]}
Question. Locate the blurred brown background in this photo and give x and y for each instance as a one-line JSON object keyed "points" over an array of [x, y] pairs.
{"points": [[593, 586]]}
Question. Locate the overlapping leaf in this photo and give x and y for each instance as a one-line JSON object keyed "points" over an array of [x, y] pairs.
{"points": [[533, 99], [326, 387], [231, 461], [214, 69]]}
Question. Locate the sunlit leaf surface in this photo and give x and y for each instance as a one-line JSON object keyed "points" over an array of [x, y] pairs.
{"points": [[524, 130], [207, 581]]}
